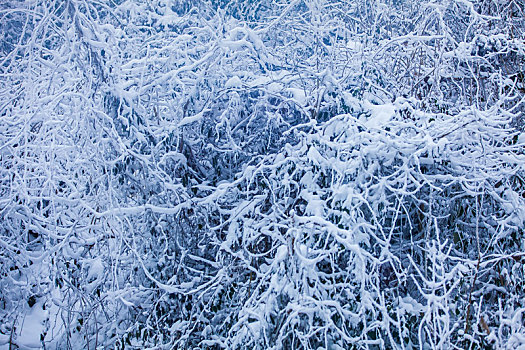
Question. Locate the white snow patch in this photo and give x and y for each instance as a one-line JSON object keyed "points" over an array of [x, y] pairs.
{"points": [[275, 87], [379, 114], [354, 46], [299, 95], [281, 253], [233, 82]]}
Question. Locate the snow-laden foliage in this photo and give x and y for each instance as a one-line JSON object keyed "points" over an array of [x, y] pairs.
{"points": [[272, 174], [370, 229]]}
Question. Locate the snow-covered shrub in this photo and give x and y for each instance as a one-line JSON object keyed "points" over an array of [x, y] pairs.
{"points": [[350, 236], [271, 174]]}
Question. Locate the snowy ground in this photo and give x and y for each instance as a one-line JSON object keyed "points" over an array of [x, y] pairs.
{"points": [[31, 327]]}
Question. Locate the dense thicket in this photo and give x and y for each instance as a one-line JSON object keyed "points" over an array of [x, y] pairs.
{"points": [[269, 174]]}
